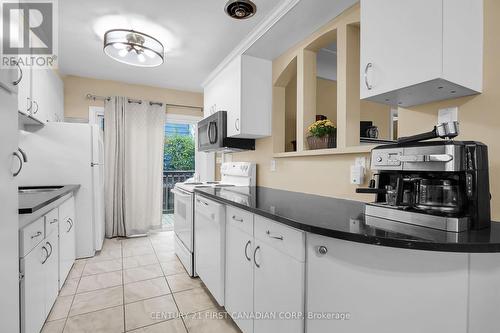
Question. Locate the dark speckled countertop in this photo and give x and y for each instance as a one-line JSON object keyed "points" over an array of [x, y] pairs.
{"points": [[345, 219], [33, 201]]}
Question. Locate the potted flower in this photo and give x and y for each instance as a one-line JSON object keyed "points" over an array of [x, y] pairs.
{"points": [[323, 134]]}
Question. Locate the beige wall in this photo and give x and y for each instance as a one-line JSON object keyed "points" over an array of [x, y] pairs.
{"points": [[329, 175], [77, 106], [290, 113], [326, 99], [380, 114]]}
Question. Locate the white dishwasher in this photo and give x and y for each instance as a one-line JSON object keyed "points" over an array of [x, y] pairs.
{"points": [[210, 247]]}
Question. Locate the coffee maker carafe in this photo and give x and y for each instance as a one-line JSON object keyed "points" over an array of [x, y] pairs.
{"points": [[437, 184]]}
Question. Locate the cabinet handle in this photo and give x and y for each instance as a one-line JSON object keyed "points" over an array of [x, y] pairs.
{"points": [[203, 202], [236, 219], [20, 164], [46, 255], [54, 221], [322, 250], [34, 112], [50, 253], [255, 260], [368, 66], [38, 234], [70, 221], [237, 124], [246, 248], [29, 104], [16, 82], [274, 237]]}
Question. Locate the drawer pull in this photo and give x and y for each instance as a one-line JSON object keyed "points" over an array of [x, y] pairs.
{"points": [[237, 219], [246, 248], [50, 245], [70, 221], [38, 234], [54, 221], [203, 202], [274, 237]]}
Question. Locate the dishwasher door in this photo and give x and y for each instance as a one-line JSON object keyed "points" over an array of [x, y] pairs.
{"points": [[210, 240]]}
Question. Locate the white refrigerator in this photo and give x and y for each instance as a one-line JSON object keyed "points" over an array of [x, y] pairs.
{"points": [[70, 153]]}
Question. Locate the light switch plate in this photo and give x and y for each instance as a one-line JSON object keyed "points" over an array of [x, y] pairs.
{"points": [[273, 165], [447, 115], [361, 161]]}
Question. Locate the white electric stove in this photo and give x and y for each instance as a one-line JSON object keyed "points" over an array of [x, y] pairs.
{"points": [[233, 174]]}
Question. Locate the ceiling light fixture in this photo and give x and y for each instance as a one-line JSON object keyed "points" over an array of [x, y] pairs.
{"points": [[133, 48]]}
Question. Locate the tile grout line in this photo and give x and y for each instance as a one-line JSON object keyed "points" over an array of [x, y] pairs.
{"points": [[171, 292], [123, 292], [74, 295]]}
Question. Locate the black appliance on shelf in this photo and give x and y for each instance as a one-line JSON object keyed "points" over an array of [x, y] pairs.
{"points": [[438, 184], [212, 135]]}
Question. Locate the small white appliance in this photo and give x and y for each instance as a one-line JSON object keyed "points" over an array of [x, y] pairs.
{"points": [[70, 153], [232, 174]]}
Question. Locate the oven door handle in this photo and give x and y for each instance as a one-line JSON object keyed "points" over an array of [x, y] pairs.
{"points": [[179, 193], [425, 158]]}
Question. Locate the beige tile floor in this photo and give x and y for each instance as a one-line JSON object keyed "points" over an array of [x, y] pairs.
{"points": [[136, 285]]}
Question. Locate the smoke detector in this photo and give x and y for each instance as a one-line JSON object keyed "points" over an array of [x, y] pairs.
{"points": [[240, 9]]}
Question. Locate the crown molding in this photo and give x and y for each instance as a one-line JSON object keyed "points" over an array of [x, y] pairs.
{"points": [[271, 19]]}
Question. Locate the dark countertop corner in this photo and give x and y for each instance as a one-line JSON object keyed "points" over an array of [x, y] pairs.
{"points": [[345, 219], [33, 201]]}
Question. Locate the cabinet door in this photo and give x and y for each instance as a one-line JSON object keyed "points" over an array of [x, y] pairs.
{"points": [[278, 290], [33, 311], [229, 84], [9, 247], [51, 271], [67, 247], [402, 42], [9, 78], [40, 94], [24, 101], [239, 276], [385, 287]]}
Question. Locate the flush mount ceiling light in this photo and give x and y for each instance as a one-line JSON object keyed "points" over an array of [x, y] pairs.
{"points": [[133, 48], [240, 9]]}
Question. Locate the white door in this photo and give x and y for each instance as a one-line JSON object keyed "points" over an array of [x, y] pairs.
{"points": [[402, 42], [51, 271], [9, 248], [67, 247], [33, 310], [40, 92], [25, 103], [278, 290], [239, 276], [210, 233], [183, 217], [98, 185], [385, 289]]}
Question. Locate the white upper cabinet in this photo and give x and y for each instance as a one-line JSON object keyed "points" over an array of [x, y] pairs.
{"points": [[419, 51], [243, 89], [47, 95]]}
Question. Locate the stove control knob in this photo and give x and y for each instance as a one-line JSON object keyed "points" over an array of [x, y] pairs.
{"points": [[379, 159]]}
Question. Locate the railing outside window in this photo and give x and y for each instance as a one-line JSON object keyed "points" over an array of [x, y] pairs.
{"points": [[170, 178]]}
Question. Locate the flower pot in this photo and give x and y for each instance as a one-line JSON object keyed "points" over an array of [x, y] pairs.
{"points": [[323, 142]]}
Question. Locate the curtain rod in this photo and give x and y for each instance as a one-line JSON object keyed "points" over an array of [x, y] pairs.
{"points": [[107, 98]]}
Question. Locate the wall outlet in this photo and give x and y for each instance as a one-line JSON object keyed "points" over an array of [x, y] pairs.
{"points": [[361, 161], [447, 115], [273, 165]]}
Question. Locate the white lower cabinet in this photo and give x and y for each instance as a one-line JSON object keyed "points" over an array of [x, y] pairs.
{"points": [[67, 246], [265, 274], [239, 276], [384, 289], [45, 263]]}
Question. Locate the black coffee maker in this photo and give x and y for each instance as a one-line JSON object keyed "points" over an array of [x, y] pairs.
{"points": [[437, 184]]}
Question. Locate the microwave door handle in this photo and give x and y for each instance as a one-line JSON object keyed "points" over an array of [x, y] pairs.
{"points": [[214, 140]]}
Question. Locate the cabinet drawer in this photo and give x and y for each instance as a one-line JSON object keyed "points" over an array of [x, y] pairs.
{"points": [[31, 236], [240, 219], [285, 239], [51, 222]]}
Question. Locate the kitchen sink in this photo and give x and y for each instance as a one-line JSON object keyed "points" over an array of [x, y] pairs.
{"points": [[38, 189]]}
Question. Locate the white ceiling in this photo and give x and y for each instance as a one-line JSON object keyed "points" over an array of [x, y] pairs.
{"points": [[197, 34]]}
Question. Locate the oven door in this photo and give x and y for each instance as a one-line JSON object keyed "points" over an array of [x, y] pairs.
{"points": [[211, 132], [183, 217]]}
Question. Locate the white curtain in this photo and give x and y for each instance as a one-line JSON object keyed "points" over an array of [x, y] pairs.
{"points": [[134, 166]]}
